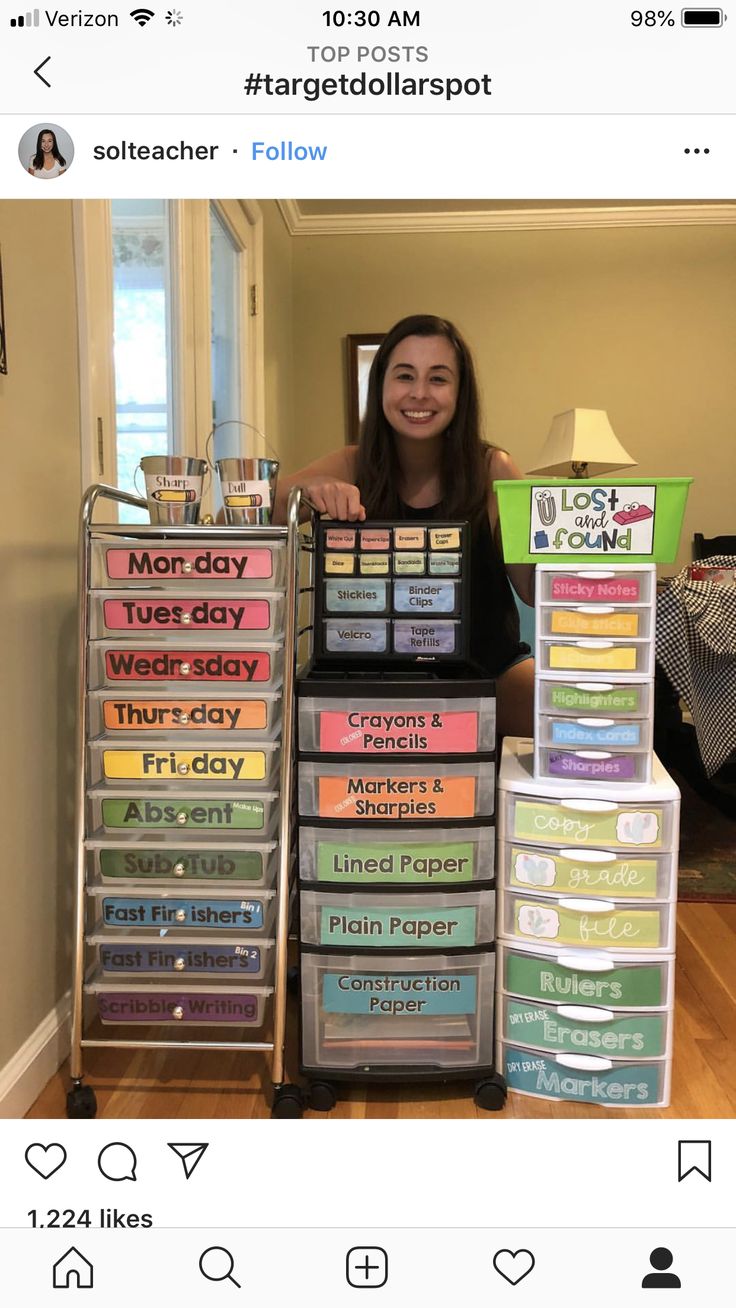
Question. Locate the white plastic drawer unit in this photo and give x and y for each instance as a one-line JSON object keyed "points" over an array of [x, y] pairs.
{"points": [[583, 923], [118, 561], [595, 656], [370, 1012], [152, 665], [624, 585], [155, 860], [606, 979], [205, 763], [600, 765], [189, 1004], [421, 723], [201, 612], [586, 1078], [605, 621], [457, 920], [396, 856], [143, 714], [614, 699], [248, 815], [396, 792], [586, 1029], [603, 873], [178, 953], [194, 909]]}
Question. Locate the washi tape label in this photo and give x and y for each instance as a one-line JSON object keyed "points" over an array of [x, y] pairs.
{"points": [[362, 732], [386, 928], [589, 589], [352, 637], [224, 563], [185, 715], [612, 520], [568, 731], [396, 994], [206, 615], [235, 815], [425, 638], [424, 596], [129, 956], [619, 658], [444, 565], [533, 1073], [623, 826], [641, 1034], [639, 985], [156, 864], [603, 874], [349, 862], [218, 914], [187, 665], [396, 798], [572, 622], [615, 767], [175, 764], [624, 928], [122, 1006], [617, 699]]}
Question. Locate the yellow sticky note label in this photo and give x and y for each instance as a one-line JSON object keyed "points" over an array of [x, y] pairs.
{"points": [[572, 622], [179, 764], [344, 563], [620, 658]]}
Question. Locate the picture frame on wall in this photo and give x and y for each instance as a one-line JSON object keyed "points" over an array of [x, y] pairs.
{"points": [[361, 351], [3, 350]]}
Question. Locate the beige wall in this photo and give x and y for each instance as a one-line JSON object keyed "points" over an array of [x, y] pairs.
{"points": [[39, 429], [277, 331], [640, 321]]}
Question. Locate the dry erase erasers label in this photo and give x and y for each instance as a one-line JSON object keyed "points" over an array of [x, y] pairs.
{"points": [[533, 1073], [614, 658], [591, 589], [592, 519], [229, 815], [592, 766], [353, 863], [384, 928], [612, 699], [372, 732], [424, 596], [621, 826], [187, 665], [340, 563], [184, 715], [159, 864], [426, 638], [174, 764], [641, 1034], [356, 596], [582, 622], [396, 798], [218, 914], [213, 960], [594, 873], [410, 994], [352, 637], [158, 1006], [205, 615], [569, 731], [225, 564], [637, 985], [623, 928]]}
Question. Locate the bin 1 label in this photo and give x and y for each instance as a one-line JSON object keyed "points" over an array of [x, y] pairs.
{"points": [[173, 764], [184, 714], [604, 874], [205, 615], [636, 1084], [384, 928], [592, 767], [187, 865], [235, 815], [187, 665], [397, 994], [569, 731], [610, 520], [155, 1006], [574, 622], [396, 798], [637, 985], [410, 864], [616, 699], [386, 731], [227, 564], [589, 589], [218, 914], [624, 928], [641, 1034], [622, 826], [219, 960]]}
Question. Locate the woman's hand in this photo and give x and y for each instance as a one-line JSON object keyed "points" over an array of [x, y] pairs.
{"points": [[338, 499]]}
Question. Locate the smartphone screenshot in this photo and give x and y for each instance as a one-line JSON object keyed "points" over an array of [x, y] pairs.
{"points": [[368, 872]]}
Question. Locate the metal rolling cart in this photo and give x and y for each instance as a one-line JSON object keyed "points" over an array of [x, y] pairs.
{"points": [[158, 1000]]}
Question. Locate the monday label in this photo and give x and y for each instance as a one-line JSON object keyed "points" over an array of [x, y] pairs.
{"points": [[412, 864], [395, 928], [635, 985], [185, 715], [205, 615], [377, 731], [602, 874], [396, 798], [224, 563], [175, 764], [621, 826], [187, 665], [238, 815], [641, 1034], [623, 928]]}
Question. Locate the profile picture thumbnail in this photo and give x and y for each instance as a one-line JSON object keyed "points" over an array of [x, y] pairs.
{"points": [[46, 151]]}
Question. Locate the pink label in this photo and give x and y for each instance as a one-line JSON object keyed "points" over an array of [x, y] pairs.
{"points": [[183, 615], [340, 538], [187, 665], [388, 732], [225, 563], [596, 588], [375, 540]]}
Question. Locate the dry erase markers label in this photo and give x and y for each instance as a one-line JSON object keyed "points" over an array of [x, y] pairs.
{"points": [[159, 864], [228, 815], [213, 960], [623, 928], [176, 764], [216, 914], [635, 985], [579, 622], [196, 1007], [616, 658], [187, 665], [535, 1074], [424, 596], [415, 864], [372, 732], [425, 638], [590, 766], [396, 994], [589, 589], [185, 714], [349, 636], [612, 520], [396, 798], [205, 615], [593, 873], [569, 731], [226, 564], [622, 826], [386, 928], [356, 596], [613, 699], [640, 1034]]}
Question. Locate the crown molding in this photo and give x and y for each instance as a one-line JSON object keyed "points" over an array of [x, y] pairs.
{"points": [[508, 220]]}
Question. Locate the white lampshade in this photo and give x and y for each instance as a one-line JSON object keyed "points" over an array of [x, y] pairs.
{"points": [[582, 437]]}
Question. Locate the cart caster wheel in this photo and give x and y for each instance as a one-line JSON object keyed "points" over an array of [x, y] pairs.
{"points": [[322, 1096], [81, 1101], [288, 1101], [292, 981], [490, 1094]]}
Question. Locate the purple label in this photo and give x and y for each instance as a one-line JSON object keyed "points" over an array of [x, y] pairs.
{"points": [[617, 766], [168, 1006], [425, 637]]}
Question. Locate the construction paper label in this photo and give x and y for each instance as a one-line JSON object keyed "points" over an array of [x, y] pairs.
{"points": [[410, 538], [122, 1006], [621, 826], [444, 538], [354, 637], [620, 658], [618, 767], [187, 865], [567, 731], [589, 590], [640, 985], [444, 565], [609, 877], [610, 520], [353, 863], [642, 1034], [619, 699], [217, 914], [187, 665], [569, 622], [396, 798], [185, 715], [174, 764], [344, 563], [205, 615], [244, 494], [534, 1074], [355, 596], [396, 994], [373, 732], [231, 815], [425, 637], [217, 960], [624, 928], [383, 928], [410, 563], [340, 538], [375, 540], [224, 564], [424, 596], [374, 565]]}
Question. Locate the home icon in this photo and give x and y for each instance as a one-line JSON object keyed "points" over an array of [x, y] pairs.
{"points": [[73, 1270]]}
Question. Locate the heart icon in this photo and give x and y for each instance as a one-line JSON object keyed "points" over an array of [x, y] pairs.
{"points": [[513, 1266], [45, 1159]]}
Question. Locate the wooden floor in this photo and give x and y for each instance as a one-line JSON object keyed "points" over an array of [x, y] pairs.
{"points": [[212, 1085]]}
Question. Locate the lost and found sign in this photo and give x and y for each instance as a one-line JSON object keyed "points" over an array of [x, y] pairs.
{"points": [[592, 519]]}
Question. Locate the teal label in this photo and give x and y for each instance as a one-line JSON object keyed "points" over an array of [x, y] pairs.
{"points": [[396, 994], [235, 815], [411, 864], [640, 985], [355, 596], [635, 1085], [642, 1034], [385, 927], [245, 915], [569, 732], [157, 864]]}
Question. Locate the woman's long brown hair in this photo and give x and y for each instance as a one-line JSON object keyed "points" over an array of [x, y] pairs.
{"points": [[463, 472]]}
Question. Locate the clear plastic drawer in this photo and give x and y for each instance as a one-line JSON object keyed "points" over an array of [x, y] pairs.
{"points": [[581, 923], [370, 1012], [590, 872], [396, 792], [194, 1005], [397, 921], [629, 735], [604, 621], [198, 910], [209, 762], [178, 953], [600, 765], [227, 614], [580, 1029], [608, 699], [583, 1078], [136, 809], [151, 664], [628, 584], [146, 713], [400, 856], [596, 656], [412, 724], [153, 859], [607, 978], [117, 561], [580, 821]]}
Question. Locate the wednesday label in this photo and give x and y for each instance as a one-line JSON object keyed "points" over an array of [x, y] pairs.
{"points": [[412, 864], [388, 731], [637, 985], [630, 826], [186, 665], [396, 798], [601, 874], [624, 928], [537, 1075]]}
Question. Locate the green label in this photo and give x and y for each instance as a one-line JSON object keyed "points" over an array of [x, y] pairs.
{"points": [[392, 928], [340, 861], [640, 985], [235, 815], [625, 878], [190, 864], [636, 1084], [628, 826], [624, 928], [623, 699], [642, 1035]]}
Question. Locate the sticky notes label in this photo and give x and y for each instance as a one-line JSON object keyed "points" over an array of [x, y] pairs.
{"points": [[589, 590]]}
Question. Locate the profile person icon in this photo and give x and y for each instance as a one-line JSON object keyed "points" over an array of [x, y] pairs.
{"points": [[661, 1278], [46, 151]]}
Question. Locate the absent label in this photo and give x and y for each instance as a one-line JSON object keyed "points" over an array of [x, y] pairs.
{"points": [[207, 615], [444, 538], [399, 994], [219, 960], [386, 928], [444, 565], [569, 731], [245, 915], [612, 878], [615, 767], [355, 596], [642, 1034], [375, 540], [425, 638], [344, 563], [424, 596], [588, 589], [231, 815], [185, 715], [355, 637], [187, 865], [624, 928], [223, 563], [195, 1007], [409, 538], [186, 665], [353, 863], [340, 538], [409, 563], [637, 985], [619, 658], [560, 826], [373, 731], [617, 699], [374, 565], [616, 520], [174, 764], [574, 622], [534, 1074], [396, 798]]}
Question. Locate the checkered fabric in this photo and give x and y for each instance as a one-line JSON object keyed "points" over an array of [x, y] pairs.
{"points": [[696, 646]]}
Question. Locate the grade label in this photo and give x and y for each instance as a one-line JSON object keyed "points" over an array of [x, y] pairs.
{"points": [[397, 994], [185, 715], [123, 1006], [219, 960], [536, 1075], [569, 732], [591, 589], [640, 985], [549, 822], [396, 798], [425, 637], [624, 928], [224, 563], [424, 596], [641, 1034], [615, 767], [187, 865], [603, 874], [571, 622], [410, 864], [619, 658], [617, 699], [187, 665], [235, 815], [175, 764], [386, 928], [387, 731], [206, 615], [218, 914]]}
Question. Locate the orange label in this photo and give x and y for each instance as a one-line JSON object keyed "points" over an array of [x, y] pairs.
{"points": [[396, 798], [184, 714]]}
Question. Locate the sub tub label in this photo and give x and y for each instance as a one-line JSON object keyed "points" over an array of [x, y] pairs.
{"points": [[534, 1074], [642, 1034], [187, 665], [185, 715], [396, 994], [396, 798], [176, 764], [638, 985], [410, 864], [624, 928], [218, 960], [630, 826], [607, 876], [224, 564], [235, 815], [374, 731], [205, 615], [385, 927], [192, 865]]}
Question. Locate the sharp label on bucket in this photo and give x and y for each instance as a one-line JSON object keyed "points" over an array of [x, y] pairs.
{"points": [[606, 519]]}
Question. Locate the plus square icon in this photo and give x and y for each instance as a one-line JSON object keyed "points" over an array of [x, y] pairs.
{"points": [[366, 1267]]}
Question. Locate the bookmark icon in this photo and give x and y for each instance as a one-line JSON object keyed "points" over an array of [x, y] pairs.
{"points": [[190, 1154]]}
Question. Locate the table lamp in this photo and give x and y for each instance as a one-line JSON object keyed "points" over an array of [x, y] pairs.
{"points": [[582, 443]]}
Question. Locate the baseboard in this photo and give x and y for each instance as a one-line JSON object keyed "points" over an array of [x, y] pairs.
{"points": [[28, 1071]]}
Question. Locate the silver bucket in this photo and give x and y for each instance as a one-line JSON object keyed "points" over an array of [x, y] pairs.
{"points": [[248, 490], [173, 488]]}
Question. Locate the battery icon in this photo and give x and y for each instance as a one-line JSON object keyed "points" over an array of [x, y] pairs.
{"points": [[702, 18]]}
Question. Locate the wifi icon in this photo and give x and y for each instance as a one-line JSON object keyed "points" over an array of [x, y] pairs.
{"points": [[141, 16]]}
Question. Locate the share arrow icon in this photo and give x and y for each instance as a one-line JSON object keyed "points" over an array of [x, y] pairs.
{"points": [[190, 1154]]}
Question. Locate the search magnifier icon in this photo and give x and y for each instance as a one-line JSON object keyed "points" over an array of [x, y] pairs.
{"points": [[218, 1264]]}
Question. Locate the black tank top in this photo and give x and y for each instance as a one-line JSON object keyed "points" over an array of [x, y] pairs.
{"points": [[494, 632]]}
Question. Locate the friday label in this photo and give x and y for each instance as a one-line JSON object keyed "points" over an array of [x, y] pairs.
{"points": [[208, 615], [186, 665], [188, 715], [246, 765], [226, 564]]}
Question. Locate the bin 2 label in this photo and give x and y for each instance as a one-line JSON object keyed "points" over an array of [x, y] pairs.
{"points": [[593, 519]]}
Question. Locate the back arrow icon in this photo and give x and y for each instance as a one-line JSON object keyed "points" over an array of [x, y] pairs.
{"points": [[37, 71]]}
